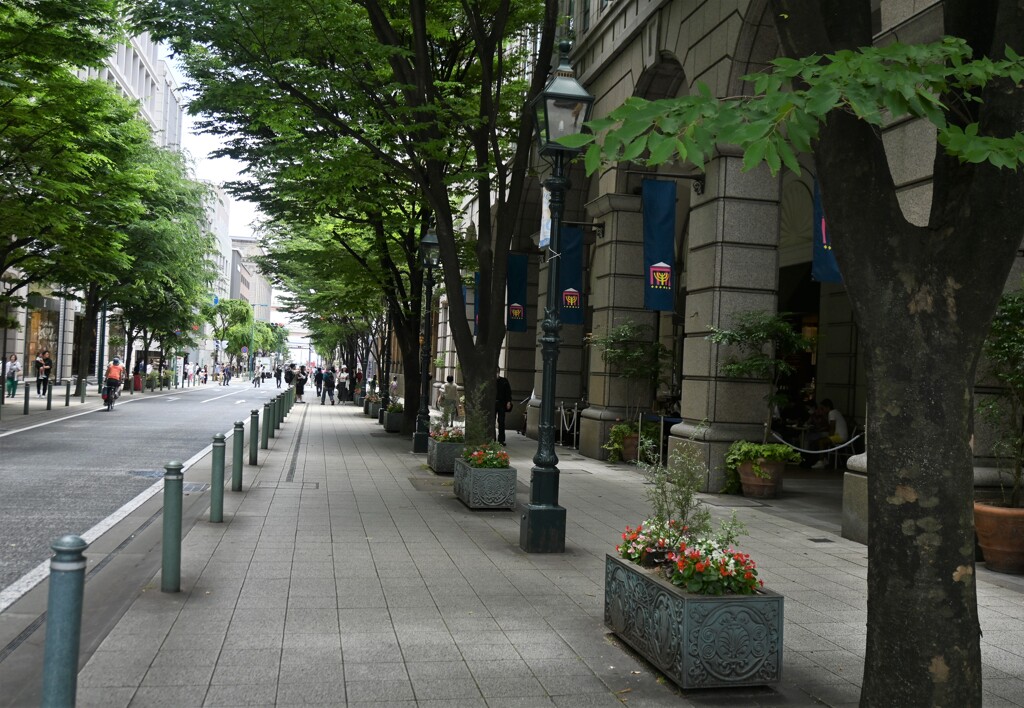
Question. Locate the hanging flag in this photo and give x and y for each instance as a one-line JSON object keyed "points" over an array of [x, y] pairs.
{"points": [[544, 238], [570, 275], [824, 268], [476, 303], [515, 316], [659, 212]]}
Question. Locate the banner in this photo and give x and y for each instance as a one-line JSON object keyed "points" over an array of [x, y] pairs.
{"points": [[659, 212], [515, 310], [570, 275], [545, 219], [476, 303], [824, 268]]}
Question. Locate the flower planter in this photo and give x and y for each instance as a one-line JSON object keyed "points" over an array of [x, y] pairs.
{"points": [[441, 456], [485, 487], [1000, 532], [761, 487], [393, 424], [358, 400], [698, 641]]}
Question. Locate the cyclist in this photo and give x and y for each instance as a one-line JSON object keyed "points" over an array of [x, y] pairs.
{"points": [[114, 374]]}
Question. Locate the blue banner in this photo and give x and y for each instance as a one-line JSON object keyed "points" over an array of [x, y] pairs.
{"points": [[515, 308], [570, 275], [659, 212], [824, 268], [476, 303]]}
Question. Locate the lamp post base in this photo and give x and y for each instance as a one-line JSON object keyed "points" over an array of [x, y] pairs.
{"points": [[419, 442], [542, 529]]}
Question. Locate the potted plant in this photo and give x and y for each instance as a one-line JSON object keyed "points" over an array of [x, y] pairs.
{"points": [[762, 342], [484, 478], [697, 611], [444, 446], [999, 523], [393, 417], [630, 353], [624, 441], [357, 396], [371, 405]]}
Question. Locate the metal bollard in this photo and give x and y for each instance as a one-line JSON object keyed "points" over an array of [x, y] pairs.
{"points": [[217, 481], [170, 572], [275, 403], [282, 410], [63, 622], [26, 398], [267, 426], [254, 427], [67, 394], [83, 385], [236, 456], [49, 395]]}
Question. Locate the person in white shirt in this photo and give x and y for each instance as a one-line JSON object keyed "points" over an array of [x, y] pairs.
{"points": [[838, 431], [11, 375]]}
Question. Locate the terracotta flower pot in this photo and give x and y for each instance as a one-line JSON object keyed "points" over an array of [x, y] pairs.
{"points": [[1000, 532], [763, 486]]}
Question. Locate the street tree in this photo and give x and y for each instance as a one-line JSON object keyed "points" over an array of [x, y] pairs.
{"points": [[922, 295], [433, 90], [232, 322]]}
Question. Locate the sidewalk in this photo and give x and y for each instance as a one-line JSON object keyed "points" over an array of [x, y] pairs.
{"points": [[346, 573]]}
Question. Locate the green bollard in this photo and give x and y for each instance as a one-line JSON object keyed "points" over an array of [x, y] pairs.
{"points": [[170, 572], [282, 410], [84, 384], [275, 403], [217, 481], [254, 426], [26, 398], [49, 395], [267, 426], [63, 622], [67, 394], [236, 456]]}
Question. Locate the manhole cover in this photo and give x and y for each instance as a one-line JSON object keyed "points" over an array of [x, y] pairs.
{"points": [[821, 540], [190, 487], [288, 485], [431, 484], [573, 471]]}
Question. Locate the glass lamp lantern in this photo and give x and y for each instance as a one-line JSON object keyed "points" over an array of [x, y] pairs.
{"points": [[562, 107]]}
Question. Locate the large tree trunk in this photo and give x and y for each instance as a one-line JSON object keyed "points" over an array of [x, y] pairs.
{"points": [[92, 308], [923, 298]]}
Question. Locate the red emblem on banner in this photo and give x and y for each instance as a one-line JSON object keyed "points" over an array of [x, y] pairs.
{"points": [[571, 299], [661, 276], [517, 311]]}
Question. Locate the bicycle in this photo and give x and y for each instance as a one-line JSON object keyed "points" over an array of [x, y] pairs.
{"points": [[110, 394]]}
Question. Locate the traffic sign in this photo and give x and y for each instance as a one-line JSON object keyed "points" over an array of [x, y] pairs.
{"points": [[245, 350]]}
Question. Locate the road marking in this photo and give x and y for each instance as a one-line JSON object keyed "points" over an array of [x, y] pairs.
{"points": [[242, 401], [13, 592], [217, 398], [174, 398]]}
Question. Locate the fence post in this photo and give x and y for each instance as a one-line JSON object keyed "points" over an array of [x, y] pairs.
{"points": [[170, 572], [236, 456], [268, 426], [217, 480], [254, 427], [63, 622]]}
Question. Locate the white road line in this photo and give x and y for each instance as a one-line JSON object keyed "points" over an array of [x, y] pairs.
{"points": [[217, 398], [13, 592]]}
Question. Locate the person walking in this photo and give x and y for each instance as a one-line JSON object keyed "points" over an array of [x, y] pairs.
{"points": [[300, 383], [277, 375], [42, 364], [327, 386], [11, 375], [318, 381], [449, 401], [257, 379], [343, 385], [502, 404]]}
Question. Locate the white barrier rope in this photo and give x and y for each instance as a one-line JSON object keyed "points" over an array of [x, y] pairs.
{"points": [[818, 452], [571, 425]]}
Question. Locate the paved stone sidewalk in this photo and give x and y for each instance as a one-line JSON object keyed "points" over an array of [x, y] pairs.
{"points": [[347, 574]]}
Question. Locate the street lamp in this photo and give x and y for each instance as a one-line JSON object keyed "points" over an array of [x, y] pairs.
{"points": [[429, 255], [558, 111]]}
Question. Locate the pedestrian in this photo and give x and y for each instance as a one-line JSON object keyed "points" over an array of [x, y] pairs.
{"points": [[343, 385], [318, 381], [449, 402], [328, 386], [257, 380], [278, 373], [11, 375], [43, 364], [289, 375], [393, 390], [300, 384], [502, 404]]}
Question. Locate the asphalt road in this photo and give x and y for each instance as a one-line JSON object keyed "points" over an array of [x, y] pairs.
{"points": [[69, 474]]}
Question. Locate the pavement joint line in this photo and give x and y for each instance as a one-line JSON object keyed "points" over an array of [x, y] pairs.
{"points": [[295, 454], [16, 590]]}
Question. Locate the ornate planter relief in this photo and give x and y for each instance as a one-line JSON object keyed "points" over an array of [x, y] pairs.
{"points": [[485, 488], [699, 641], [441, 457]]}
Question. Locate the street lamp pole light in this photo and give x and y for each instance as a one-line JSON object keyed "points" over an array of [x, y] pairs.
{"points": [[558, 111], [429, 253]]}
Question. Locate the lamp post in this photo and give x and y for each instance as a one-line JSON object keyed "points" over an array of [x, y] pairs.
{"points": [[429, 257], [386, 389], [558, 111]]}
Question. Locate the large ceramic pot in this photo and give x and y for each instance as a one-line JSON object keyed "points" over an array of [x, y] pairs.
{"points": [[485, 487], [765, 485], [441, 456], [698, 641], [1000, 532], [630, 445]]}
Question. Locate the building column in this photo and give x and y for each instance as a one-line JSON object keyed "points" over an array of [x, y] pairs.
{"points": [[731, 267]]}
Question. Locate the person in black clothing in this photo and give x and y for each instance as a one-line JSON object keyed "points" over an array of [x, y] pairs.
{"points": [[318, 381], [502, 405], [44, 365], [277, 376]]}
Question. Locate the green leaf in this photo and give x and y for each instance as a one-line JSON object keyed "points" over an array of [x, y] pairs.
{"points": [[662, 148], [634, 149], [576, 140], [592, 160], [754, 155]]}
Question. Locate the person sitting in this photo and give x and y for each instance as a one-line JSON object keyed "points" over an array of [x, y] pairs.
{"points": [[837, 432]]}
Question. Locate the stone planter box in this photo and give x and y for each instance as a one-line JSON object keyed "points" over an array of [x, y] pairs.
{"points": [[357, 400], [698, 641], [485, 488], [373, 409], [380, 414], [393, 424], [366, 407], [441, 457]]}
